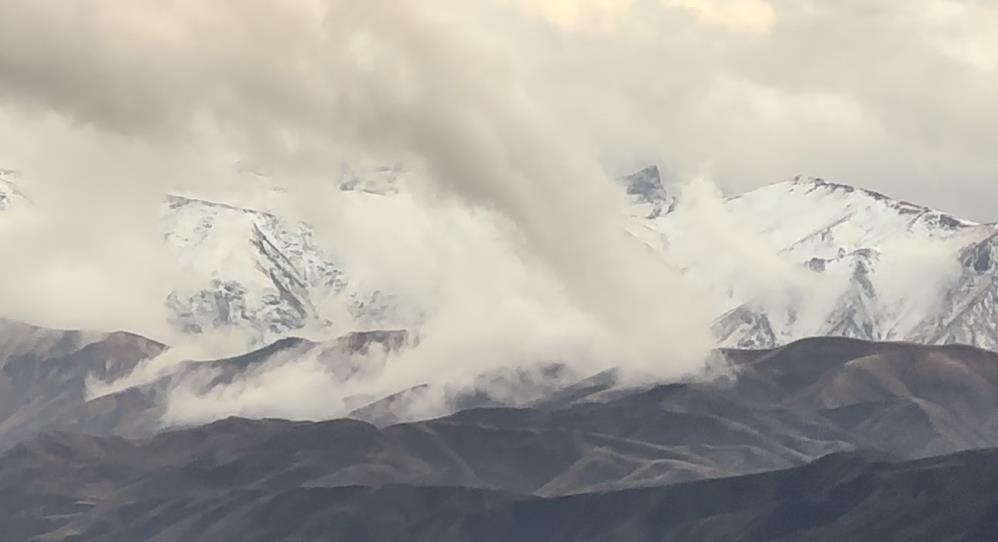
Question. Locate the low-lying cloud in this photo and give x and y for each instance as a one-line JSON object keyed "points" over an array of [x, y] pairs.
{"points": [[514, 122], [298, 86]]}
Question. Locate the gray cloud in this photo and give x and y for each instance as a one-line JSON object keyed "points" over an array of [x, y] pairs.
{"points": [[893, 96], [287, 83], [515, 108]]}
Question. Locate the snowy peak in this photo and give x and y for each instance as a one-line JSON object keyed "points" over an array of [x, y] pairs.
{"points": [[839, 246], [801, 257], [806, 214], [923, 216], [893, 270], [256, 271]]}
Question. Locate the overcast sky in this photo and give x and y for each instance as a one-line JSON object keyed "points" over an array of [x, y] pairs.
{"points": [[898, 96]]}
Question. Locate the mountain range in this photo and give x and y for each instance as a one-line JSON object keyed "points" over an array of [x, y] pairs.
{"points": [[799, 258], [852, 394], [823, 439]]}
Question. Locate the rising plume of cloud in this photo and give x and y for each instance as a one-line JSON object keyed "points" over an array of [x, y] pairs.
{"points": [[299, 85], [514, 108]]}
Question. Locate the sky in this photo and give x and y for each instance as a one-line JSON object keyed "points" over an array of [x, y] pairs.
{"points": [[893, 96]]}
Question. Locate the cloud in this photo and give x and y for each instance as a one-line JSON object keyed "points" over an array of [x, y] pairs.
{"points": [[216, 345], [913, 278], [887, 95], [495, 319], [299, 85], [751, 15], [717, 248], [579, 15], [86, 253], [513, 109]]}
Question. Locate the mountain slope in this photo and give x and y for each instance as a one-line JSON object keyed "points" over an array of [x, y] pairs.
{"points": [[43, 373], [291, 486], [807, 257], [584, 442], [774, 408], [259, 273], [804, 257]]}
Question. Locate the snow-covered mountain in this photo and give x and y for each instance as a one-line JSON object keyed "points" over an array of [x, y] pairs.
{"points": [[256, 271], [808, 257], [249, 271], [798, 258]]}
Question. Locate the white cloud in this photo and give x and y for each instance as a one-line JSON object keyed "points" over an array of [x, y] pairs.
{"points": [[162, 92], [515, 108], [751, 15]]}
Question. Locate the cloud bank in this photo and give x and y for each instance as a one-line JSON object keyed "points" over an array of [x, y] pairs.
{"points": [[514, 109], [299, 85]]}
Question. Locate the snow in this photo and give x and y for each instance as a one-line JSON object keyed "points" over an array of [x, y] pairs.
{"points": [[811, 217], [797, 258], [809, 257], [252, 269]]}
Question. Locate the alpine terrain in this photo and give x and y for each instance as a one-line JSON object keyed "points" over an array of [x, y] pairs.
{"points": [[799, 258]]}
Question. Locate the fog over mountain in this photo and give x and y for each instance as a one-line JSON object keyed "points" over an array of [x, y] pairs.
{"points": [[842, 438], [491, 129], [713, 82], [498, 270], [484, 142]]}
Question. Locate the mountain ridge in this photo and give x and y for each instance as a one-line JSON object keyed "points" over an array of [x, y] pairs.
{"points": [[830, 253]]}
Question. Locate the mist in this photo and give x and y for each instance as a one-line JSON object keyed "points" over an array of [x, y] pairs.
{"points": [[513, 117], [550, 275]]}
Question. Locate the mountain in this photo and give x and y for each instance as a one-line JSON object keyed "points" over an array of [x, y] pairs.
{"points": [[843, 439], [860, 497], [252, 269], [772, 409], [99, 383], [260, 273], [43, 373], [137, 407], [808, 257], [799, 258], [255, 268], [820, 438], [829, 427]]}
